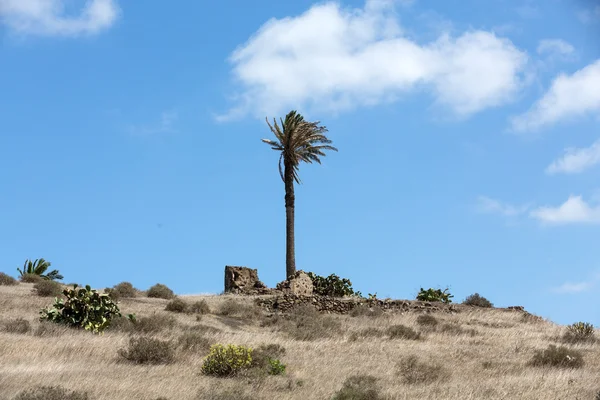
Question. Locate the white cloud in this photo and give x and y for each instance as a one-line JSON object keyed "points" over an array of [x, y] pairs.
{"points": [[573, 211], [555, 48], [576, 160], [569, 96], [164, 125], [336, 59], [48, 17], [578, 287], [590, 15], [492, 206]]}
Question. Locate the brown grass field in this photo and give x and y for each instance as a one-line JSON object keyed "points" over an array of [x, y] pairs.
{"points": [[473, 354]]}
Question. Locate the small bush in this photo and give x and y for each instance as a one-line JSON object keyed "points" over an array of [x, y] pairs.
{"points": [[427, 320], [403, 332], [154, 323], [123, 290], [455, 329], [85, 308], [194, 341], [227, 360], [359, 387], [30, 278], [332, 285], [199, 307], [160, 291], [435, 295], [366, 333], [478, 301], [177, 305], [18, 325], [262, 355], [412, 371], [366, 311], [7, 280], [557, 357], [51, 393], [144, 350], [47, 288], [579, 332], [276, 367], [50, 329], [232, 308], [305, 323]]}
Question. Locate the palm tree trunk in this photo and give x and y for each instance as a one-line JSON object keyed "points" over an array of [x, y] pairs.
{"points": [[290, 199]]}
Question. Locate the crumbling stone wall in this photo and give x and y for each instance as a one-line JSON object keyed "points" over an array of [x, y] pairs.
{"points": [[300, 284], [243, 280]]}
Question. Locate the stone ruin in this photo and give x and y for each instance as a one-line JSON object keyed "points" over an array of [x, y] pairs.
{"points": [[243, 280]]}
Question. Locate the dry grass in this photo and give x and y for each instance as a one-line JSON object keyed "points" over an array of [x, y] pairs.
{"points": [[493, 363]]}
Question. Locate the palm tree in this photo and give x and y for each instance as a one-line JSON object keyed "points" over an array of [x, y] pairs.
{"points": [[297, 140], [38, 267]]}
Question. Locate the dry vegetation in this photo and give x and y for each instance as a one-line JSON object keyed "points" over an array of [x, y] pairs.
{"points": [[475, 354]]}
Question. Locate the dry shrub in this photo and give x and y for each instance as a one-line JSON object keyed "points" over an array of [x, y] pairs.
{"points": [[30, 278], [51, 329], [121, 324], [579, 332], [412, 371], [305, 323], [7, 280], [51, 393], [199, 307], [236, 393], [204, 329], [403, 332], [359, 387], [478, 301], [194, 341], [560, 356], [177, 305], [456, 330], [232, 308], [366, 311], [48, 288], [160, 291], [427, 320], [265, 352], [145, 350], [18, 325], [123, 290], [366, 333], [154, 323]]}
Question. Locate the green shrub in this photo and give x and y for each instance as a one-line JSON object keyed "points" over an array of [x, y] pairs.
{"points": [[84, 307], [51, 393], [199, 307], [177, 305], [579, 332], [194, 341], [403, 332], [30, 278], [276, 367], [332, 285], [7, 280], [145, 350], [412, 371], [18, 325], [160, 291], [557, 357], [359, 387], [478, 301], [47, 288], [227, 360], [427, 320], [123, 290], [435, 295]]}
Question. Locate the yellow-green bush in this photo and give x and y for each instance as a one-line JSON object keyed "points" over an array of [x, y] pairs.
{"points": [[227, 360]]}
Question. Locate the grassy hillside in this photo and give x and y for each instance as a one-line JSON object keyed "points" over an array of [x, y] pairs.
{"points": [[474, 354]]}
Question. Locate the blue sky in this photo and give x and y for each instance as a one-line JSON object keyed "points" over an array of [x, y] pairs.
{"points": [[469, 148]]}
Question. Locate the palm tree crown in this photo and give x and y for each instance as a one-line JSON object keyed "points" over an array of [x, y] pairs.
{"points": [[38, 267]]}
